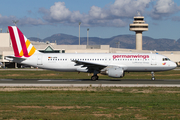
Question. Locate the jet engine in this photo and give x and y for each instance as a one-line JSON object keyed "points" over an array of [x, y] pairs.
{"points": [[115, 72]]}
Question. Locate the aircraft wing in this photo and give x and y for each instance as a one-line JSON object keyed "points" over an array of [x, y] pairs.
{"points": [[90, 66]]}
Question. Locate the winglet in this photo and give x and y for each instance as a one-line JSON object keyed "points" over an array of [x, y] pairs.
{"points": [[21, 45]]}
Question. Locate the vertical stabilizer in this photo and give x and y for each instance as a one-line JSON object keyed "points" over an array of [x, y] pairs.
{"points": [[21, 45]]}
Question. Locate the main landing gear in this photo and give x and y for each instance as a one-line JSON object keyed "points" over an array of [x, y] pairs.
{"points": [[152, 78], [94, 77]]}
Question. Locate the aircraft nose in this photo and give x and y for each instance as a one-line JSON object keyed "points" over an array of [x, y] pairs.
{"points": [[173, 64]]}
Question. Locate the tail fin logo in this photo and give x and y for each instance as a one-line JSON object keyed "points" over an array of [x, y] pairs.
{"points": [[21, 45]]}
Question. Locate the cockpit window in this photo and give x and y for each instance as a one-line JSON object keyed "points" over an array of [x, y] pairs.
{"points": [[166, 59]]}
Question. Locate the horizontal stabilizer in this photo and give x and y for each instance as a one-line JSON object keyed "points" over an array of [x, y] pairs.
{"points": [[11, 58]]}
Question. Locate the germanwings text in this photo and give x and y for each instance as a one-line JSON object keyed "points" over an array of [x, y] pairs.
{"points": [[130, 56]]}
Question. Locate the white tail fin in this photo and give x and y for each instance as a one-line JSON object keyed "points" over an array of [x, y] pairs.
{"points": [[21, 45]]}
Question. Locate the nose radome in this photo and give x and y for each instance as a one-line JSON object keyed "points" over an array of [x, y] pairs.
{"points": [[174, 65]]}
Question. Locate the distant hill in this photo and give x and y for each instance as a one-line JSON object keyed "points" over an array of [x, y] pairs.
{"points": [[126, 41]]}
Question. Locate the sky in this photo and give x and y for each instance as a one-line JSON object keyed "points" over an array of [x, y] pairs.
{"points": [[104, 18]]}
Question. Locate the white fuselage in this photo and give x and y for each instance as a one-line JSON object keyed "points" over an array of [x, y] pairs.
{"points": [[113, 65], [129, 62]]}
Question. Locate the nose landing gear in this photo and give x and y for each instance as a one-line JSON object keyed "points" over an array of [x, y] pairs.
{"points": [[152, 78]]}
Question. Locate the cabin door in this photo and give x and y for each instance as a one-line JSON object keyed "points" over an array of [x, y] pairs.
{"points": [[153, 59]]}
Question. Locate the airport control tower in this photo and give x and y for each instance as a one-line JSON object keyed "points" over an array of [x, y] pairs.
{"points": [[138, 26]]}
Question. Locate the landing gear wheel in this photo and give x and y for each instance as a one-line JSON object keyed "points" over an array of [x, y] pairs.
{"points": [[94, 78], [153, 78]]}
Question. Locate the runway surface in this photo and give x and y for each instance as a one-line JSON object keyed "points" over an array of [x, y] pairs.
{"points": [[87, 82]]}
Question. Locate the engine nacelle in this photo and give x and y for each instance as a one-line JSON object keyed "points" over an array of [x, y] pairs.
{"points": [[115, 72]]}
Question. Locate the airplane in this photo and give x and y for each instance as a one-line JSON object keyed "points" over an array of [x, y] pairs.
{"points": [[111, 64]]}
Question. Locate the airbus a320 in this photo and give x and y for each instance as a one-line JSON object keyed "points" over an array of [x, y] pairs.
{"points": [[112, 64]]}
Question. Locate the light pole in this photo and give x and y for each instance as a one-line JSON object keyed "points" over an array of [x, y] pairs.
{"points": [[79, 32], [118, 44], [15, 21], [87, 36]]}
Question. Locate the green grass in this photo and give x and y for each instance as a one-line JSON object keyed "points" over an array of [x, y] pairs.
{"points": [[91, 103], [45, 74]]}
